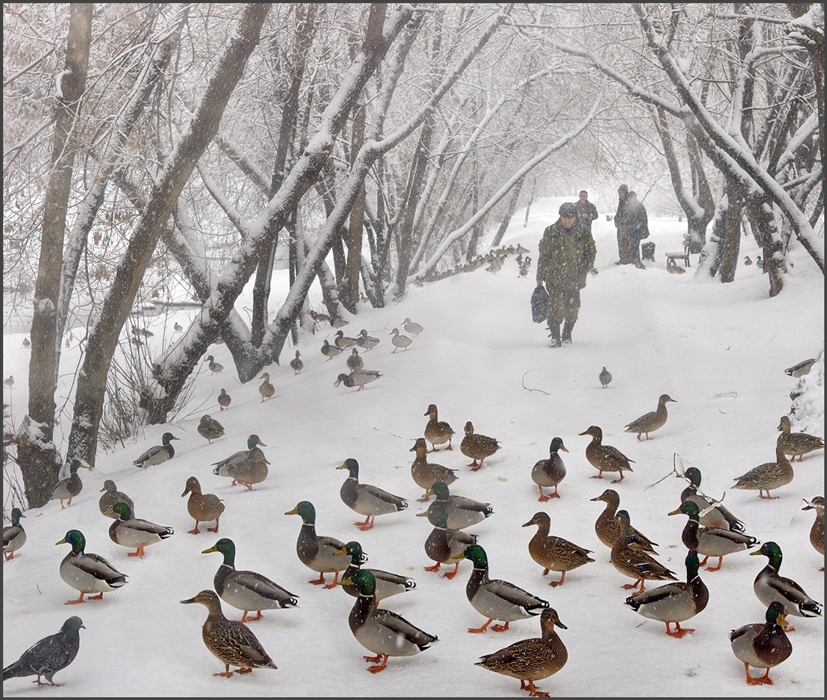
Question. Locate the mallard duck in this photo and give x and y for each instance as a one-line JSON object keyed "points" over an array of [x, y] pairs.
{"points": [[247, 590], [215, 367], [203, 507], [87, 573], [767, 476], [496, 599], [554, 553], [443, 543], [797, 444], [245, 467], [342, 341], [27, 343], [550, 472], [382, 631], [210, 428], [799, 369], [711, 541], [635, 563], [330, 351], [762, 645], [817, 530], [8, 382], [368, 342], [461, 512], [674, 602], [366, 499], [426, 473], [296, 363], [71, 486], [533, 659], [14, 536], [412, 327], [266, 389], [399, 340], [387, 584], [358, 377], [177, 327], [129, 531], [437, 432], [111, 496], [711, 515], [770, 586], [224, 400], [158, 453], [605, 377], [318, 552], [354, 361], [231, 642], [477, 446], [605, 458], [650, 422], [49, 655], [607, 528]]}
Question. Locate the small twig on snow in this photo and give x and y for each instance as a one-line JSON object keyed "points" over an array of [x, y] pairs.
{"points": [[522, 381]]}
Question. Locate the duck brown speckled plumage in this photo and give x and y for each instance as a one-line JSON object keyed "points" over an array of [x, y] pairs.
{"points": [[605, 458], [817, 530], [635, 563], [607, 528], [554, 553], [203, 507], [768, 476], [797, 444], [437, 432], [477, 446], [649, 422], [425, 474]]}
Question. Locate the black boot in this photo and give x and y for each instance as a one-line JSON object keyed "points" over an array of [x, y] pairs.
{"points": [[554, 328], [567, 326]]}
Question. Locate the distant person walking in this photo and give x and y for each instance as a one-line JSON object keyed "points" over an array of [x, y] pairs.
{"points": [[623, 248], [637, 226], [586, 211], [566, 255]]}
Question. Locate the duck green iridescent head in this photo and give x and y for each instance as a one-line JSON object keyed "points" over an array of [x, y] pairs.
{"points": [[254, 440], [306, 510], [436, 515], [775, 614], [16, 514], [352, 466], [354, 549], [689, 508], [227, 547], [772, 551], [75, 465], [556, 445], [76, 539], [692, 564], [693, 476], [167, 437], [475, 554], [363, 580], [122, 510]]}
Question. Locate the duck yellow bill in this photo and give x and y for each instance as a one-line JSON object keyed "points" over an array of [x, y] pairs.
{"points": [[677, 511], [63, 541], [292, 512], [211, 549]]}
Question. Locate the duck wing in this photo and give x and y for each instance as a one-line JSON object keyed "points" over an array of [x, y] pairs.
{"points": [[261, 585], [398, 625], [515, 595], [95, 565]]}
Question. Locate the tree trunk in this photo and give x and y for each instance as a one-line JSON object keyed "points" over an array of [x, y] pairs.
{"points": [[37, 453], [509, 212], [349, 284]]}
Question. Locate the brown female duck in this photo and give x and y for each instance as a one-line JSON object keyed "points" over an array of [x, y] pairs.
{"points": [[443, 543], [635, 563], [554, 553], [477, 446], [650, 422], [817, 530], [426, 473], [797, 444], [203, 507], [437, 432], [605, 458], [767, 476], [607, 527]]}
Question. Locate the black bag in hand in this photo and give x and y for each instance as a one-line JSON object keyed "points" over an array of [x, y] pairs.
{"points": [[539, 304]]}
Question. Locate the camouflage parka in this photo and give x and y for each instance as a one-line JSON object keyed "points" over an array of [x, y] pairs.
{"points": [[565, 256]]}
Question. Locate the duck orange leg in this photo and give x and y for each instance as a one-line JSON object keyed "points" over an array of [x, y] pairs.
{"points": [[435, 567], [615, 481], [75, 602], [318, 581], [533, 692], [477, 630], [138, 552], [8, 556], [453, 573], [599, 475], [553, 584], [679, 631], [227, 672], [367, 525], [720, 561], [244, 617], [244, 670], [475, 465], [99, 596], [195, 531], [640, 582], [500, 628], [335, 579], [381, 667], [543, 497], [213, 529]]}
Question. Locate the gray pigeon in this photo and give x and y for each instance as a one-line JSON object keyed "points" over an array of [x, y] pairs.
{"points": [[49, 655], [605, 377]]}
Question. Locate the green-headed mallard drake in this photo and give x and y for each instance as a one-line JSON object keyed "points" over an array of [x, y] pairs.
{"points": [[674, 602], [770, 586], [86, 572], [158, 453], [215, 367], [342, 341], [14, 536], [711, 541], [110, 497], [607, 528], [231, 642], [296, 363], [425, 474], [368, 342], [797, 444], [387, 584], [382, 631], [71, 486], [635, 563], [462, 512], [330, 351], [650, 422], [358, 378], [247, 590], [477, 446], [210, 428], [49, 655], [768, 476], [354, 361], [266, 389], [412, 327], [554, 553], [605, 458], [443, 543], [496, 599], [246, 467], [550, 472], [203, 507], [318, 552], [605, 377], [224, 400], [817, 530], [533, 659], [399, 340], [366, 499], [129, 531], [762, 645], [437, 432], [711, 516]]}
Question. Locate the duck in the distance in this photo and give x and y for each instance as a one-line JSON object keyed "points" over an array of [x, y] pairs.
{"points": [[366, 499], [342, 341], [762, 645], [224, 400], [87, 572], [358, 378], [319, 553], [296, 363], [330, 351], [158, 453], [209, 428], [71, 486], [14, 536], [768, 476], [550, 472], [399, 341], [266, 388], [365, 341], [354, 361], [215, 367], [652, 421]]}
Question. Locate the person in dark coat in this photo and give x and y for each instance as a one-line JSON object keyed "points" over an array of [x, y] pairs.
{"points": [[586, 211], [566, 255], [637, 226], [623, 248]]}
